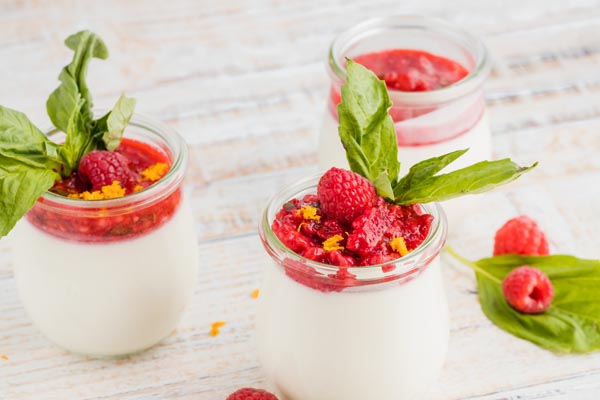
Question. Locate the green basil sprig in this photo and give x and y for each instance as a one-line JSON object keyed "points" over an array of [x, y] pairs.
{"points": [[70, 105], [369, 138], [365, 128], [572, 322], [30, 163]]}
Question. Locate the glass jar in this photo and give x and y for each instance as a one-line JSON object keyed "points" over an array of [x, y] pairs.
{"points": [[111, 277], [331, 333], [428, 123]]}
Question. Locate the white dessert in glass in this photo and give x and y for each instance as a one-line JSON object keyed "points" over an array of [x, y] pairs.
{"points": [[383, 337], [428, 123], [111, 277]]}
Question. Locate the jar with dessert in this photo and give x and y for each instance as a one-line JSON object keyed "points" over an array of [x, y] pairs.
{"points": [[335, 306], [352, 303], [434, 73], [106, 253]]}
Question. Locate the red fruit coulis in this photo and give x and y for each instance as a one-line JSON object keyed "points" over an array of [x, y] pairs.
{"points": [[75, 223], [410, 70], [414, 71], [366, 241]]}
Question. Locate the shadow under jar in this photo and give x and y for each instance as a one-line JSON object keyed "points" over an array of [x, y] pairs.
{"points": [[428, 122], [111, 277], [332, 333]]}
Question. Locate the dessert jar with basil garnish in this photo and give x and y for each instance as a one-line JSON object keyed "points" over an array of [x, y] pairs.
{"points": [[105, 249], [352, 304], [434, 72]]}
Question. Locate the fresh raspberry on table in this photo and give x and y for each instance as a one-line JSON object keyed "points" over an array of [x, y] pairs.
{"points": [[528, 290], [344, 195], [100, 168], [251, 394], [522, 236]]}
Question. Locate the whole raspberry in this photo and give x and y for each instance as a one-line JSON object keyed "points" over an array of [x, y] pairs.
{"points": [[251, 394], [100, 168], [520, 235], [528, 290], [344, 195]]}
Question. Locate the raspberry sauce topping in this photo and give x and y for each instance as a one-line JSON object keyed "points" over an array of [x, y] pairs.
{"points": [[134, 165], [361, 230], [104, 175], [412, 70], [409, 71], [384, 232]]}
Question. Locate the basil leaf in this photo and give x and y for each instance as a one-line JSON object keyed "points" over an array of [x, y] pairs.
{"points": [[367, 130], [117, 121], [21, 140], [572, 322], [369, 138], [383, 185], [73, 88], [477, 178], [21, 185], [426, 168], [70, 105], [29, 166], [77, 142]]}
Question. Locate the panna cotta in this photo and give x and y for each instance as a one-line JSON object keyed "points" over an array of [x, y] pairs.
{"points": [[351, 309], [106, 276], [434, 73]]}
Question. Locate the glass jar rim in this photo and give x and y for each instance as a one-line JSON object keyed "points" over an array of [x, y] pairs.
{"points": [[153, 193], [472, 43], [406, 267]]}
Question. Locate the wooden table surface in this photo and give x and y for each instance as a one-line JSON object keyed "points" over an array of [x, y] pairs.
{"points": [[244, 82]]}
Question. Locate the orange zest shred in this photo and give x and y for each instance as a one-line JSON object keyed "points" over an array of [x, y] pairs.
{"points": [[255, 293], [214, 327], [155, 172], [300, 226], [111, 191], [137, 188], [333, 243], [399, 246], [308, 212], [4, 357]]}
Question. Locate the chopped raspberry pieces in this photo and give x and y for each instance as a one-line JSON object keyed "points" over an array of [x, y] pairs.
{"points": [[368, 230], [344, 195], [528, 290], [315, 253], [522, 236], [101, 168], [337, 257], [251, 394], [379, 234], [364, 241]]}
